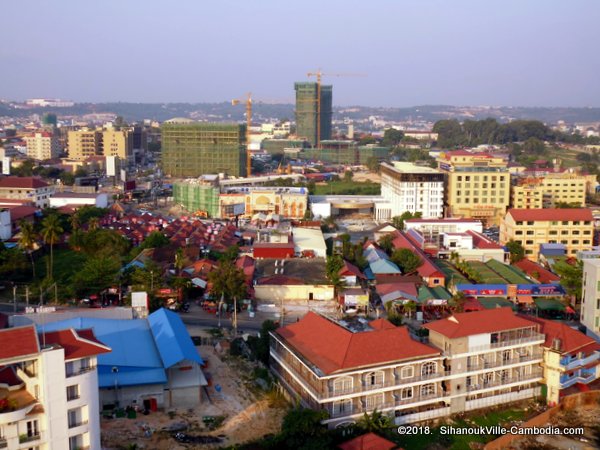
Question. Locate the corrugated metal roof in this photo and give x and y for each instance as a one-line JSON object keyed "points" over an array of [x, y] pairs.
{"points": [[172, 338]]}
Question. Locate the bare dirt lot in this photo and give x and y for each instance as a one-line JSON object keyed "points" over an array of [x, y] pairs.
{"points": [[246, 411]]}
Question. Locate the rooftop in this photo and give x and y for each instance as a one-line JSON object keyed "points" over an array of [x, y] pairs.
{"points": [[551, 214], [18, 342], [76, 344], [22, 182], [478, 322], [571, 340], [332, 348]]}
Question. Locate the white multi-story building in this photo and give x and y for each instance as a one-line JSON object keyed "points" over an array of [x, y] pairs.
{"points": [[408, 187], [42, 145], [49, 389], [590, 302]]}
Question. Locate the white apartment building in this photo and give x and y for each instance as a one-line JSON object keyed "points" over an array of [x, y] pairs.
{"points": [[49, 389], [28, 189], [590, 302], [42, 145], [473, 360], [408, 187]]}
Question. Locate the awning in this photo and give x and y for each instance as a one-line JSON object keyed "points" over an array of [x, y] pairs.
{"points": [[549, 304], [525, 299], [199, 282]]}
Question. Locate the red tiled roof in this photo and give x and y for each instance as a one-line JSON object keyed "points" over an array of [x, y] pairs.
{"points": [[478, 322], [571, 340], [350, 269], [369, 441], [76, 344], [428, 269], [22, 182], [551, 214], [333, 348], [482, 242], [387, 288], [541, 273], [20, 341]]}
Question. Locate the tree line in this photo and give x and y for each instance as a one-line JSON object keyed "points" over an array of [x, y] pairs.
{"points": [[452, 133]]}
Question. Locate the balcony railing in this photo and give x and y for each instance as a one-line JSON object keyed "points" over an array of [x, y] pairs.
{"points": [[499, 381], [73, 397], [504, 362], [77, 423], [581, 361], [361, 408], [500, 344], [28, 438], [81, 370], [583, 378], [3, 443]]}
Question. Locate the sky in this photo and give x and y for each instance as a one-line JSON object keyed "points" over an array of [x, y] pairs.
{"points": [[400, 53]]}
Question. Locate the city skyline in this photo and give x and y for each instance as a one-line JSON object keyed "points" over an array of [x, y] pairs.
{"points": [[414, 53]]}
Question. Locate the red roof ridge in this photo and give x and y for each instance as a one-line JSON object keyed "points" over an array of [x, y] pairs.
{"points": [[19, 342], [550, 214]]}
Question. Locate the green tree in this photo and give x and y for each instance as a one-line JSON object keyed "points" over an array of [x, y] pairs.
{"points": [[302, 430], [228, 281], [155, 240], [398, 221], [406, 260], [333, 265], [77, 239], [392, 137], [534, 146], [376, 422], [67, 178], [373, 163], [97, 274], [516, 250], [260, 345], [179, 261], [387, 243], [571, 277], [51, 233], [104, 242], [367, 139], [27, 241], [458, 301]]}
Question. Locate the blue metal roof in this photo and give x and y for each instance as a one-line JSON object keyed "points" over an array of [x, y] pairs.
{"points": [[172, 338], [141, 349], [383, 266]]}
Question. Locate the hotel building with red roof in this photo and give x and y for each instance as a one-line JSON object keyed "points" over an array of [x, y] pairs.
{"points": [[572, 227], [471, 360], [49, 389]]}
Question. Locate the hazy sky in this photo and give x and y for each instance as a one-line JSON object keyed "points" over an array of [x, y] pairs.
{"points": [[414, 52]]}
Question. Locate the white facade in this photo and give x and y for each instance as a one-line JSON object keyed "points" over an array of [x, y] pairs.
{"points": [[42, 146], [408, 187], [57, 406], [5, 228], [99, 200], [590, 303], [309, 239], [439, 226]]}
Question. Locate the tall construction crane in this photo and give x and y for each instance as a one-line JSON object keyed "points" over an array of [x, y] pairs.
{"points": [[248, 102], [318, 74]]}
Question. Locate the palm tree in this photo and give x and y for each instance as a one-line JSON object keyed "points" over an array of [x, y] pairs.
{"points": [[28, 240], [179, 261], [51, 232], [376, 422], [75, 222]]}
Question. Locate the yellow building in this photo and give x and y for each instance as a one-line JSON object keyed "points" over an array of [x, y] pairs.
{"points": [[531, 227], [84, 143], [42, 145], [548, 191], [118, 143], [570, 357], [478, 185]]}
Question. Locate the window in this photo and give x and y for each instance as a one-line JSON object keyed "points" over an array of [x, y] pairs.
{"points": [[529, 242], [342, 385], [374, 401], [72, 392], [409, 371], [529, 232], [519, 232], [575, 242], [342, 407], [530, 222], [553, 232], [565, 222], [429, 368], [427, 389], [374, 378], [406, 393]]}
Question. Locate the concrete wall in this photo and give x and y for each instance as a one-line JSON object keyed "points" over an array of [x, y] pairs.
{"points": [[278, 293]]}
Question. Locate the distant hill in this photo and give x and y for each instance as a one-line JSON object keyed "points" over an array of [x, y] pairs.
{"points": [[222, 112]]}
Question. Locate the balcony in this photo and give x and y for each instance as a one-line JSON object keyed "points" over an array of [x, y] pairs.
{"points": [[584, 377], [580, 362], [504, 362], [80, 371], [3, 443], [502, 398], [499, 381], [18, 403], [29, 437], [421, 416], [77, 423], [534, 337]]}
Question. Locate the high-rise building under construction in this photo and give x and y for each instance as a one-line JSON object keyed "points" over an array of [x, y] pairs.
{"points": [[191, 149], [308, 109]]}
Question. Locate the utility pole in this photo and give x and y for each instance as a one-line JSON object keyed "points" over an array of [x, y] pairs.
{"points": [[26, 296], [235, 316], [15, 297]]}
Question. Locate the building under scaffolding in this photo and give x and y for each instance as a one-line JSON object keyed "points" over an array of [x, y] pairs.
{"points": [[307, 111]]}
